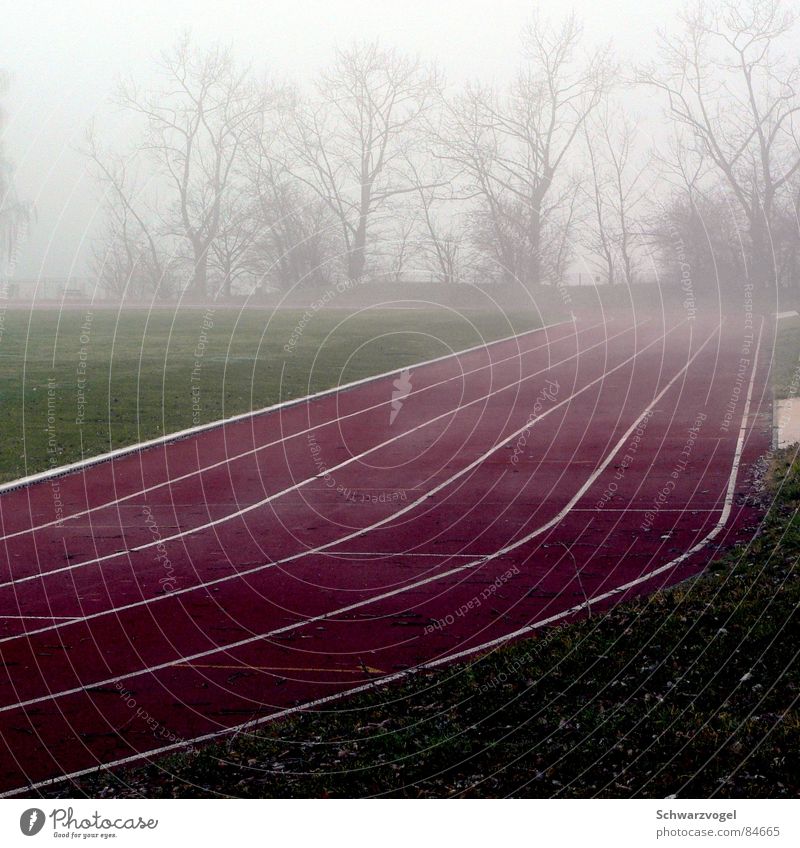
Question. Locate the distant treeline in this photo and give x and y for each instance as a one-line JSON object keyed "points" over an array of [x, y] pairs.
{"points": [[234, 183]]}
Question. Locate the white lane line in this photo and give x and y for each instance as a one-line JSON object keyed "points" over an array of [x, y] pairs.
{"points": [[222, 422], [411, 554], [662, 511], [45, 617], [406, 673], [228, 460], [349, 537], [383, 596], [295, 486]]}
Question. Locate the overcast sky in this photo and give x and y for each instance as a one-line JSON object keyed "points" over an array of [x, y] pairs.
{"points": [[63, 58]]}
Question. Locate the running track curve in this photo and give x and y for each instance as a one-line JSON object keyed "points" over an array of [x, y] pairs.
{"points": [[283, 560]]}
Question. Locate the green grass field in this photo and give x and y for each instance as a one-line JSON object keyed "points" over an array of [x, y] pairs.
{"points": [[74, 384]]}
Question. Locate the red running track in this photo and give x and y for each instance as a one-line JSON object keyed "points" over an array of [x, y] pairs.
{"points": [[282, 560]]}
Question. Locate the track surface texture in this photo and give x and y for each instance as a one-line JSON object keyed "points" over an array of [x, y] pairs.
{"points": [[280, 561]]}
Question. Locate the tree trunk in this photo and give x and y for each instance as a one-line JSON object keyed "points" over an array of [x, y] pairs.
{"points": [[535, 233], [199, 286], [535, 258], [761, 270], [356, 256]]}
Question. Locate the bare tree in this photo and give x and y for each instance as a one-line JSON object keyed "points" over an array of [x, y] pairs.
{"points": [[295, 231], [441, 241], [617, 190], [697, 237], [512, 149], [14, 214], [728, 84], [195, 123], [563, 216], [231, 249], [444, 243], [294, 244], [353, 138], [401, 239], [130, 257], [124, 266]]}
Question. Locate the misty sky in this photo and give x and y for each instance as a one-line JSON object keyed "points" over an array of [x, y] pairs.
{"points": [[64, 57]]}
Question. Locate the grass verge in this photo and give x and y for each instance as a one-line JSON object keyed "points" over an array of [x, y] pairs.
{"points": [[786, 363]]}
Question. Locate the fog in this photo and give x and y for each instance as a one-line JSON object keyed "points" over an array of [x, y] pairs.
{"points": [[222, 151], [63, 60]]}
